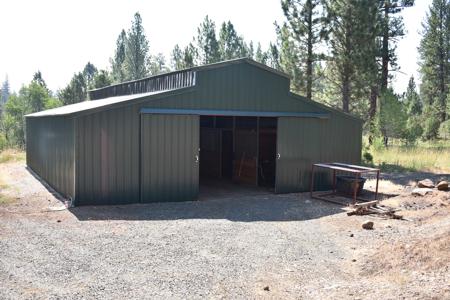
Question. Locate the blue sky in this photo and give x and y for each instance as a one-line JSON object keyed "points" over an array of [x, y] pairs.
{"points": [[60, 37]]}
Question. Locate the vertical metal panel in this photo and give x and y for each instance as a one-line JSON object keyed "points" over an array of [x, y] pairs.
{"points": [[108, 161], [50, 151], [169, 170], [304, 141]]}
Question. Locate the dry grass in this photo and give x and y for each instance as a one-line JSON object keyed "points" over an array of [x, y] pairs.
{"points": [[397, 158], [426, 255], [11, 155]]}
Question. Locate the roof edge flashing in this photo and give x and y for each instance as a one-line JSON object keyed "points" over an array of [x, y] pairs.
{"points": [[236, 113]]}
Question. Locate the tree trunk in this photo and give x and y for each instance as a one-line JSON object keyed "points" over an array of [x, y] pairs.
{"points": [[372, 111], [385, 48], [345, 92], [309, 59]]}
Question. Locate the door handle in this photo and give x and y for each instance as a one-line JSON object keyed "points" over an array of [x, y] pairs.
{"points": [[278, 155], [196, 159]]}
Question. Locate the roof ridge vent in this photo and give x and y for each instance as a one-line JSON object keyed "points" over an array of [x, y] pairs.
{"points": [[162, 82]]}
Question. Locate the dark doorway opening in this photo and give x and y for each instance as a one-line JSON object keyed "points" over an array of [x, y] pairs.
{"points": [[237, 155]]}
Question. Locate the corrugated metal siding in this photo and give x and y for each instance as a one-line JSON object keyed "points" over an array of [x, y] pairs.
{"points": [[304, 141], [169, 170], [114, 176], [108, 157], [50, 152]]}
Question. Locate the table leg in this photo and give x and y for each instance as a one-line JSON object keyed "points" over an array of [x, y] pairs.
{"points": [[376, 188]]}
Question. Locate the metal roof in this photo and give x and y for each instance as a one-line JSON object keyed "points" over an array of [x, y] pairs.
{"points": [[89, 105], [236, 113]]}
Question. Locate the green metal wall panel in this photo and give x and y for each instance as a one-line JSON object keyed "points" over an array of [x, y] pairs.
{"points": [[50, 151], [304, 141], [108, 157], [169, 157]]}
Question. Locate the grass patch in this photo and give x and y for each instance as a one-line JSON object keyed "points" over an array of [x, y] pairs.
{"points": [[5, 199], [426, 158], [11, 155]]}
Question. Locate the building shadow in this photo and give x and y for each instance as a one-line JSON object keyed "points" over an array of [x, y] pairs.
{"points": [[269, 207]]}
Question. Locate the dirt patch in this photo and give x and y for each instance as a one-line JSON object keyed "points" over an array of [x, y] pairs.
{"points": [[428, 254]]}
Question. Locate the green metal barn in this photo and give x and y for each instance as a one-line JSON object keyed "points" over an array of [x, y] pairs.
{"points": [[162, 137]]}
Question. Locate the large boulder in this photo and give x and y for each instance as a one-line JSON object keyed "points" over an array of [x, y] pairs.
{"points": [[442, 185], [426, 183]]}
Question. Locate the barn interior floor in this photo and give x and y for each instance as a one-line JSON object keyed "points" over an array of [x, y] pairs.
{"points": [[212, 189]]}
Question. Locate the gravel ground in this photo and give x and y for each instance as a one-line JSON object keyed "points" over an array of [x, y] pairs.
{"points": [[262, 246]]}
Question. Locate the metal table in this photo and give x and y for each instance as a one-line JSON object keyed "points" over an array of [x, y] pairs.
{"points": [[347, 168]]}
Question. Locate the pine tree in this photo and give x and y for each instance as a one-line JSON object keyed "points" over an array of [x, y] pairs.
{"points": [[305, 23], [231, 45], [176, 58], [182, 59], [434, 53], [37, 77], [117, 62], [260, 55], [89, 73], [392, 28], [5, 91], [75, 91], [190, 54], [273, 56], [289, 58], [413, 107], [101, 79], [352, 41], [136, 51], [207, 44], [158, 64]]}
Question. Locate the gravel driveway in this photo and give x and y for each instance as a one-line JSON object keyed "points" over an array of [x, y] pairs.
{"points": [[263, 246]]}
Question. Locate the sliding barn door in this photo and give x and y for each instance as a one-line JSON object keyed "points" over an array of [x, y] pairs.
{"points": [[169, 157]]}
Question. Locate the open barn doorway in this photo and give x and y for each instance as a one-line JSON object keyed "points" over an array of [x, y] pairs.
{"points": [[237, 156]]}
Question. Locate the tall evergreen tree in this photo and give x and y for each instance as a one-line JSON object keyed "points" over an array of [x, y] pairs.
{"points": [[434, 53], [207, 44], [158, 64], [136, 51], [352, 44], [89, 73], [231, 45], [273, 56], [101, 79], [75, 91], [176, 58], [412, 99], [392, 28], [182, 59], [117, 62], [289, 58], [413, 107], [5, 91], [260, 55], [37, 77], [305, 23]]}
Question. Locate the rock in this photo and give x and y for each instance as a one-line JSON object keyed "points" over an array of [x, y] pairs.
{"points": [[421, 191], [426, 183], [266, 288], [442, 185], [351, 235], [367, 225]]}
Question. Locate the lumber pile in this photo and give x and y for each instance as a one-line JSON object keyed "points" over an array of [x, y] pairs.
{"points": [[373, 207]]}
